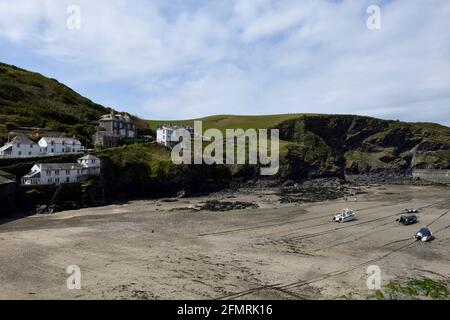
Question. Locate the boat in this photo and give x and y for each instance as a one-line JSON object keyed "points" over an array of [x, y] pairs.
{"points": [[407, 220], [424, 235], [345, 216]]}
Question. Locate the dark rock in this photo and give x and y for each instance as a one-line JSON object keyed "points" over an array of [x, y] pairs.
{"points": [[216, 205], [313, 191]]}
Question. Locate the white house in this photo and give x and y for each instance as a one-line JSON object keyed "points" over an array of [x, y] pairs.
{"points": [[21, 147], [54, 145], [59, 173], [91, 164], [166, 135]]}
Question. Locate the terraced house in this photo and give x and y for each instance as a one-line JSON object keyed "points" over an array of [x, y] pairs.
{"points": [[21, 147], [60, 145], [59, 173]]}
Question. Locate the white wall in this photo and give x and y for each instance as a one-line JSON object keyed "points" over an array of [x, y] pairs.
{"points": [[59, 148], [72, 176], [165, 136], [92, 167], [159, 136]]}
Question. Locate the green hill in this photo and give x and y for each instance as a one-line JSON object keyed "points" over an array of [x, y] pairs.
{"points": [[28, 99], [223, 122]]}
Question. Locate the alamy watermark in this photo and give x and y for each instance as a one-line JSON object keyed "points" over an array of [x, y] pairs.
{"points": [[374, 279], [74, 19], [374, 20], [236, 146], [74, 280]]}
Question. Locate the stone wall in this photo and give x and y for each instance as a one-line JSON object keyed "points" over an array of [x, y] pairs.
{"points": [[437, 176]]}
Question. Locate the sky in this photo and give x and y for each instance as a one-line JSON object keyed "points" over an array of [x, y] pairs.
{"points": [[183, 59]]}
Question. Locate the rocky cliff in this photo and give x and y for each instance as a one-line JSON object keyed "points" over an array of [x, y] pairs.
{"points": [[332, 145]]}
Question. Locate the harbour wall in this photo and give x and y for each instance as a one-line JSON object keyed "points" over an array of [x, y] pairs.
{"points": [[437, 176]]}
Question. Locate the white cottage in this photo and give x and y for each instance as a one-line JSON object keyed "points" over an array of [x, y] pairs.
{"points": [[60, 145], [91, 165], [166, 135], [59, 173], [21, 147]]}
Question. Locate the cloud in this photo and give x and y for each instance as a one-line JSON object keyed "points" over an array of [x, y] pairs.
{"points": [[194, 58], [19, 20]]}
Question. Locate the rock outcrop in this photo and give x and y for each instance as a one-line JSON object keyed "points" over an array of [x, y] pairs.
{"points": [[321, 146]]}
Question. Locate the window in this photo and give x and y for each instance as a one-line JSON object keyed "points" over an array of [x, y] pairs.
{"points": [[57, 172], [31, 146], [50, 180], [18, 145], [49, 172], [57, 180], [20, 153], [29, 153], [68, 172]]}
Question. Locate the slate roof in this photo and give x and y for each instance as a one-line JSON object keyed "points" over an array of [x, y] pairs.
{"points": [[60, 140], [35, 174], [4, 180], [6, 177], [7, 147], [23, 140], [116, 117], [60, 166], [88, 157]]}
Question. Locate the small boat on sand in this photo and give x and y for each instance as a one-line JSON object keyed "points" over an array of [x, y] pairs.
{"points": [[345, 216]]}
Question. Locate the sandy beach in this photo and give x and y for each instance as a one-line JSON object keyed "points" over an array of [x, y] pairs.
{"points": [[164, 249]]}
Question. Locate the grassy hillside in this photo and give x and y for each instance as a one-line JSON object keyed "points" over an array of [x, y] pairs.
{"points": [[28, 99], [223, 122], [318, 145]]}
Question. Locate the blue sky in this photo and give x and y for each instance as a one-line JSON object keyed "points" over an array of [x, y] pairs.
{"points": [[185, 58]]}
